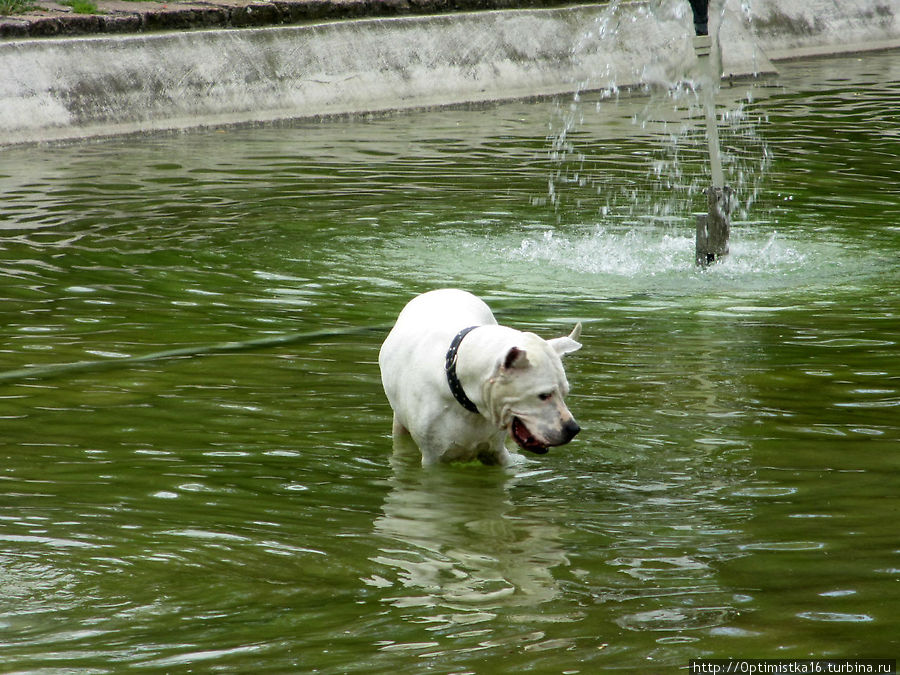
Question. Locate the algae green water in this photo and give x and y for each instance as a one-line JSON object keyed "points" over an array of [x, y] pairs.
{"points": [[733, 492]]}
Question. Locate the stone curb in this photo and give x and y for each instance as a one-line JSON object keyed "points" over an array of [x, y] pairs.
{"points": [[141, 17]]}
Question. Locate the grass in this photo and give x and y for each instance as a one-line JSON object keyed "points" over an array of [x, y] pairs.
{"points": [[80, 6], [15, 6]]}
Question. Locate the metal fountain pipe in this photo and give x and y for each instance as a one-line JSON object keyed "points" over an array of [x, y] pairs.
{"points": [[713, 228], [700, 8]]}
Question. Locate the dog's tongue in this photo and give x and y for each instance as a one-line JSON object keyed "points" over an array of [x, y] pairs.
{"points": [[525, 439]]}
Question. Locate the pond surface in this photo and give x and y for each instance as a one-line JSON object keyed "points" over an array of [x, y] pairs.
{"points": [[733, 492]]}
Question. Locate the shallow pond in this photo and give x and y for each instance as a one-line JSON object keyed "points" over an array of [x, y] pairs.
{"points": [[733, 491]]}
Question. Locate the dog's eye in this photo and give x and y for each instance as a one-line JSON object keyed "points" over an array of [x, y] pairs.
{"points": [[545, 397]]}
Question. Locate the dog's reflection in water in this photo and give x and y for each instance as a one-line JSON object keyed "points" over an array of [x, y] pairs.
{"points": [[454, 539]]}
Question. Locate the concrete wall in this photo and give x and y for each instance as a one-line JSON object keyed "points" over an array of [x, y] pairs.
{"points": [[53, 89]]}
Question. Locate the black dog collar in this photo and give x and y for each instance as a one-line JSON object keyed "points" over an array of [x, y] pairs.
{"points": [[450, 366]]}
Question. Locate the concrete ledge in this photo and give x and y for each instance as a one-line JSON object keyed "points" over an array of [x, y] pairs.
{"points": [[139, 16], [800, 29], [63, 88]]}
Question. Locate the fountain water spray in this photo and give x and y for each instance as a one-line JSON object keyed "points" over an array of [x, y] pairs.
{"points": [[713, 227]]}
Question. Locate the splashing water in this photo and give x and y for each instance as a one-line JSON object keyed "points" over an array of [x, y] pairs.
{"points": [[604, 251], [631, 255], [609, 260], [682, 158]]}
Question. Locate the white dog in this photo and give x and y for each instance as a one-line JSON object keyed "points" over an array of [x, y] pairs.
{"points": [[458, 382]]}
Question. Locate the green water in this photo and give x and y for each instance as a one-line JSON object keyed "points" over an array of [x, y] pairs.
{"points": [[733, 492]]}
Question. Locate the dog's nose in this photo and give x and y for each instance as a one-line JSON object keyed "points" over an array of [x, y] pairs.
{"points": [[570, 429]]}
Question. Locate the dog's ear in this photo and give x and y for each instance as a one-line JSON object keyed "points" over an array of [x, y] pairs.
{"points": [[515, 358], [567, 345]]}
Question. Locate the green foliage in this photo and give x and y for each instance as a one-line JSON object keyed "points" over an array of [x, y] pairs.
{"points": [[81, 6], [15, 6]]}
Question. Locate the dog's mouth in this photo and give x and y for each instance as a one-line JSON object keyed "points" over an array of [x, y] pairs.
{"points": [[525, 438]]}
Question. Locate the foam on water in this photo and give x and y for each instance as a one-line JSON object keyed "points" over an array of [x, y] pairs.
{"points": [[606, 260]]}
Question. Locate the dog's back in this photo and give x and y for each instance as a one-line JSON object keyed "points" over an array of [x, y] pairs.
{"points": [[447, 310]]}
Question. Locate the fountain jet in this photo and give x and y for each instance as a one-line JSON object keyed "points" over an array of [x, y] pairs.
{"points": [[713, 227]]}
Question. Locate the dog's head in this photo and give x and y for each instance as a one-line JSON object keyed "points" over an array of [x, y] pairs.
{"points": [[527, 391]]}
